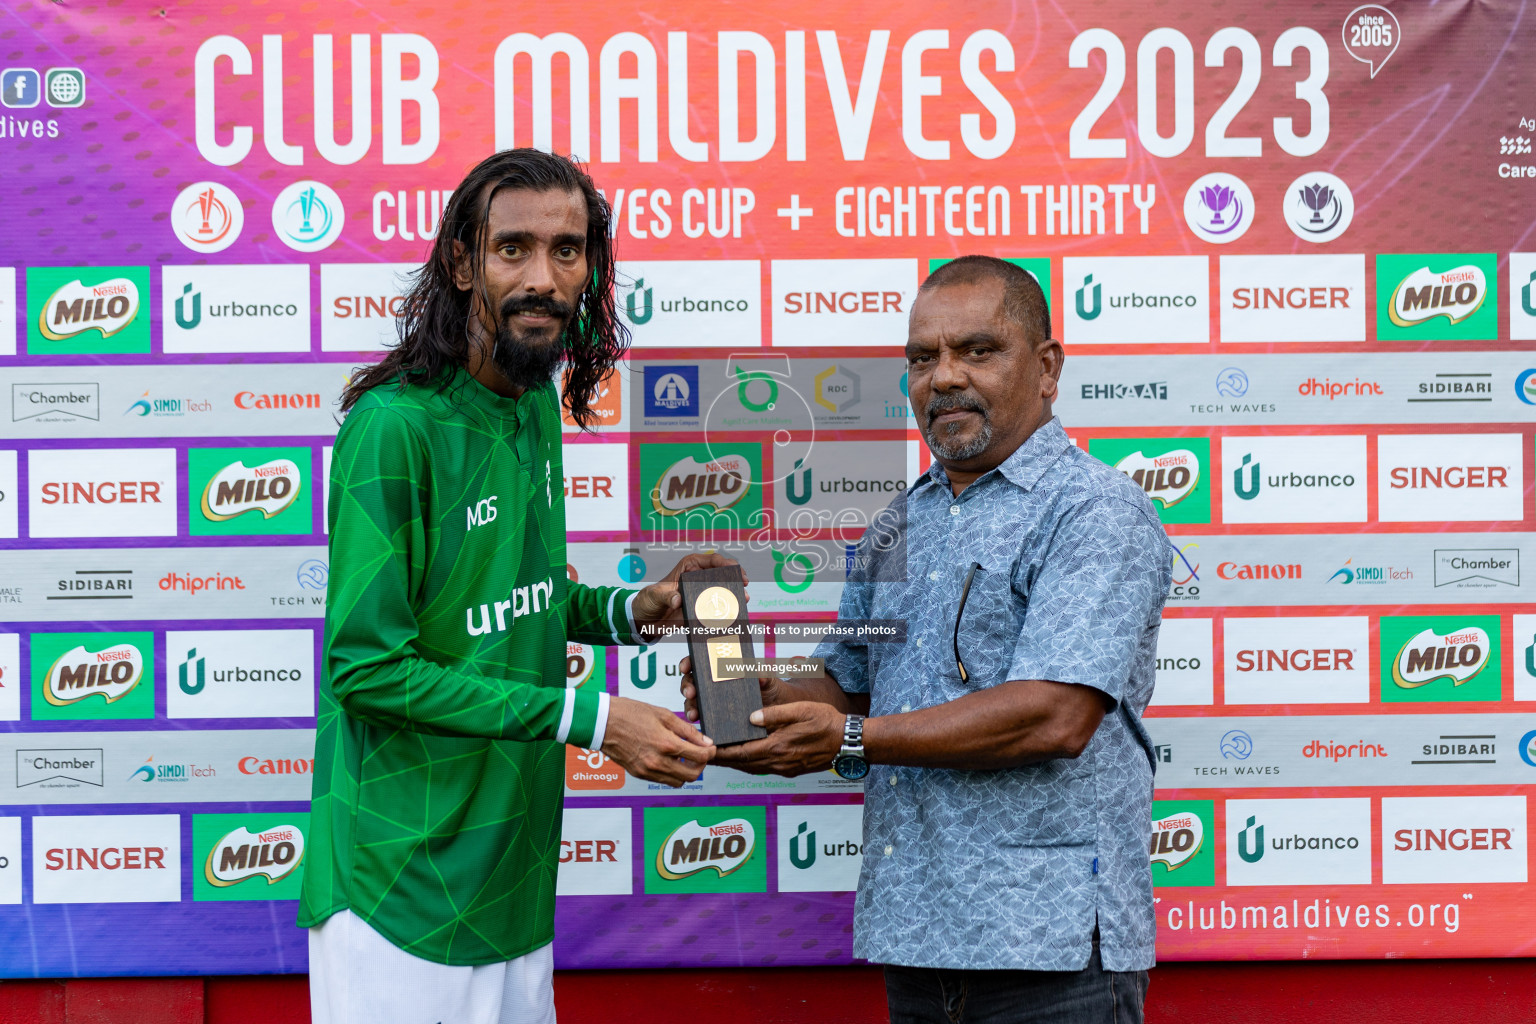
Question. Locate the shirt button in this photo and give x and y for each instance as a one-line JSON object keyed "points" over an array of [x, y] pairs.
{"points": [[954, 510], [893, 780], [904, 707], [889, 850], [934, 576], [919, 641]]}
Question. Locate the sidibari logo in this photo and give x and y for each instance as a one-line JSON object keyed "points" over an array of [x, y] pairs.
{"points": [[237, 489], [273, 854], [637, 304], [1176, 839], [1168, 478], [1428, 656], [78, 674], [692, 848], [688, 484], [1424, 294], [75, 308]]}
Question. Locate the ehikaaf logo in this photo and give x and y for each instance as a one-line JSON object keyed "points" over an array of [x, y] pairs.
{"points": [[723, 848], [273, 853], [1429, 656], [237, 489], [78, 673]]}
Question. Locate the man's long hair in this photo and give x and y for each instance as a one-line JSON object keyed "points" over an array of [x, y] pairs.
{"points": [[434, 323]]}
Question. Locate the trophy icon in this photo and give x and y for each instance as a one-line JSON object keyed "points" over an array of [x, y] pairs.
{"points": [[1317, 197], [1216, 198]]}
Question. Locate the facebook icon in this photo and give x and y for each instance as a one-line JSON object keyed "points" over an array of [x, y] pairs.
{"points": [[20, 87]]}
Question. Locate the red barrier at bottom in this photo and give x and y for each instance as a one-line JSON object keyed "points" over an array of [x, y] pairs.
{"points": [[1384, 992]]}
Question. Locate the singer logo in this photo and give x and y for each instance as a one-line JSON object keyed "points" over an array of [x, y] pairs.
{"points": [[723, 848], [273, 854]]}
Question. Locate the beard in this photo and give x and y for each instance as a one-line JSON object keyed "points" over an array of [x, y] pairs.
{"points": [[943, 442], [530, 359]]}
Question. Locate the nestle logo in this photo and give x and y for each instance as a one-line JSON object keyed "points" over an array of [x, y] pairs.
{"points": [[55, 403]]}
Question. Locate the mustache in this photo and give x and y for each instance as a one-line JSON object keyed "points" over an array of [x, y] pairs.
{"points": [[949, 403], [515, 304]]}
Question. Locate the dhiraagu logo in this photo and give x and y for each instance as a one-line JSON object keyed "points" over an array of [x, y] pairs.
{"points": [[1427, 658], [248, 856], [1183, 843], [705, 849], [92, 676], [1171, 470]]}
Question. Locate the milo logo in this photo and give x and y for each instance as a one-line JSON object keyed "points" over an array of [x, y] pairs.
{"points": [[1424, 294], [236, 489], [692, 848], [75, 308], [1176, 839], [273, 854], [688, 484], [1168, 478], [1428, 656], [78, 674]]}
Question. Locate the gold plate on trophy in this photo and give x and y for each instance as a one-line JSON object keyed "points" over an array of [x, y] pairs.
{"points": [[717, 607]]}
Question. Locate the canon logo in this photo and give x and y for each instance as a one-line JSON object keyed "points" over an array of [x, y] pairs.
{"points": [[1237, 571], [1420, 477], [252, 400], [107, 492], [1316, 297], [275, 766], [1336, 659], [843, 302], [349, 307]]}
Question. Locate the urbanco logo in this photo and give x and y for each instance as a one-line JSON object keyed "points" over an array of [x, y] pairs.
{"points": [[1299, 842], [820, 848], [231, 308], [1185, 668], [1135, 300], [207, 217], [1522, 309], [237, 673], [691, 303], [1294, 479]]}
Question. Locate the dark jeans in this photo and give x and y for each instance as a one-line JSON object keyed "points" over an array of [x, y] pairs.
{"points": [[922, 995]]}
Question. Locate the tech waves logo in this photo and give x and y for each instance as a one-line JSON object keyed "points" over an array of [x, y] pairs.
{"points": [[273, 854], [1168, 478], [75, 308], [1428, 656], [1177, 839], [1424, 294], [237, 489], [78, 673], [716, 485], [693, 848]]}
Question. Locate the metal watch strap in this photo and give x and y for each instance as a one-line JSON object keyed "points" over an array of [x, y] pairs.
{"points": [[853, 735]]}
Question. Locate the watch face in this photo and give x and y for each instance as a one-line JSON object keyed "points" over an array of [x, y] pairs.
{"points": [[850, 766]]}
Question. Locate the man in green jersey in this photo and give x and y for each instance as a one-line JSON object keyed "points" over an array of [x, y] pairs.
{"points": [[439, 765]]}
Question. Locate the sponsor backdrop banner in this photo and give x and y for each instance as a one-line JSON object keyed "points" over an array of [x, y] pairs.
{"points": [[1290, 252]]}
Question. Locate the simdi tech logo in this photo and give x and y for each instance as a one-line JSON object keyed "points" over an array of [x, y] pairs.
{"points": [[1183, 843], [1426, 658], [248, 857], [1443, 296], [81, 676], [248, 491], [87, 310], [705, 849], [1172, 470]]}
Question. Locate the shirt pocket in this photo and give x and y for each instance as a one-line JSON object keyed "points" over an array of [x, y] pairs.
{"points": [[989, 625]]}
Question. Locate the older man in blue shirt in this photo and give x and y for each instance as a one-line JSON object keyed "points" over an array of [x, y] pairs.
{"points": [[1009, 786]]}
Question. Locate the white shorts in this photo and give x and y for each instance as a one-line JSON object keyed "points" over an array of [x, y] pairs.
{"points": [[357, 976]]}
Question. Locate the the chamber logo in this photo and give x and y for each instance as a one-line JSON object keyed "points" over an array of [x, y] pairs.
{"points": [[79, 673], [236, 489], [693, 848], [273, 854], [74, 308], [1427, 656]]}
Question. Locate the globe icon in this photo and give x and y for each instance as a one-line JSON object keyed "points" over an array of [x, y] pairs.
{"points": [[64, 89]]}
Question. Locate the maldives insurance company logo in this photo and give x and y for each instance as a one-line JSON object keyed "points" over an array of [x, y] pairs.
{"points": [[87, 310], [92, 676], [1183, 843], [248, 491], [241, 857], [1169, 470], [207, 217], [705, 849], [1437, 296], [1318, 207], [1219, 207], [1440, 658], [308, 216]]}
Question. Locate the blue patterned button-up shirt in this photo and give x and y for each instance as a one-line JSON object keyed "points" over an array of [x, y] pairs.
{"points": [[1011, 868]]}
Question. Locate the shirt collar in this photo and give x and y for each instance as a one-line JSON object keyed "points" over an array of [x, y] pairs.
{"points": [[1025, 466]]}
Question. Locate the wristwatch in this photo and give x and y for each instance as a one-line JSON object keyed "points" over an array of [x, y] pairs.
{"points": [[849, 762]]}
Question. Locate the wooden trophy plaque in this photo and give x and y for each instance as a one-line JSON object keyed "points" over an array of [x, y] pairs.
{"points": [[715, 611]]}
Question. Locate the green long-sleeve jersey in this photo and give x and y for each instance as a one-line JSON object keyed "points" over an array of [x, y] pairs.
{"points": [[443, 706]]}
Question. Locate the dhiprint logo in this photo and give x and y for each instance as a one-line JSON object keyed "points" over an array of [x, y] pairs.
{"points": [[1297, 660], [1442, 478], [690, 303], [1137, 299], [820, 848], [1219, 207], [1440, 658], [307, 216], [1299, 842], [1429, 296], [207, 217], [1294, 479], [1183, 848], [1169, 470], [1318, 207], [671, 391]]}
